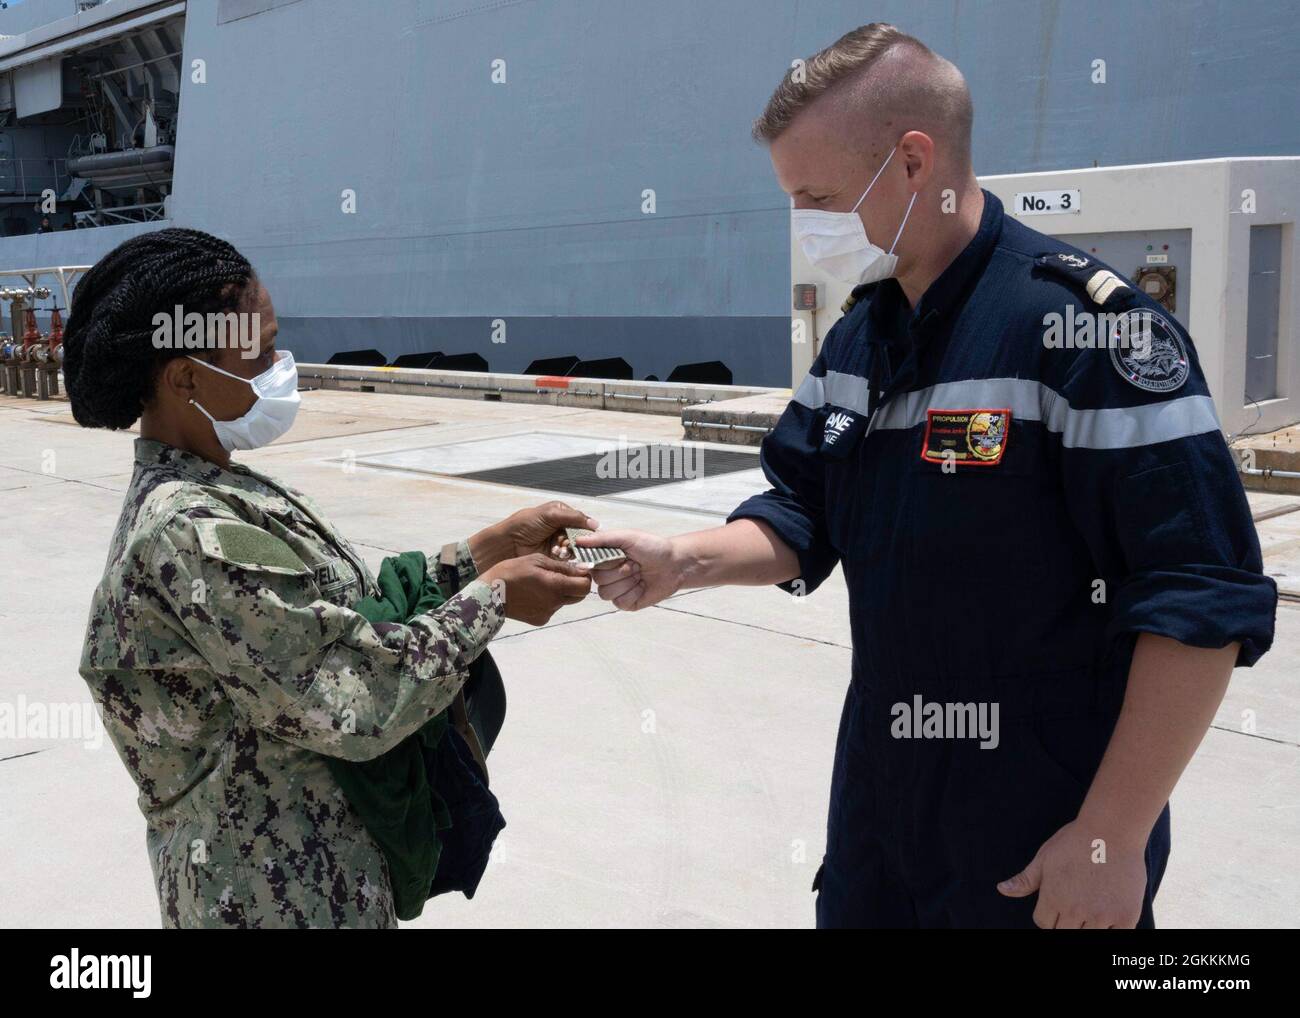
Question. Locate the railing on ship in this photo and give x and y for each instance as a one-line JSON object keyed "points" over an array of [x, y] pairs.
{"points": [[26, 177], [148, 212]]}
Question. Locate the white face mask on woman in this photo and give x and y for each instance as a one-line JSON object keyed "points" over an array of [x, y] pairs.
{"points": [[836, 242], [270, 416]]}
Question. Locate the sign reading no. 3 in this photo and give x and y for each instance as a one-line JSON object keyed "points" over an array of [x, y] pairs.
{"points": [[1042, 203]]}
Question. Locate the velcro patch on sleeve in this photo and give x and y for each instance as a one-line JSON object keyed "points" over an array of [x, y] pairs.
{"points": [[966, 438], [249, 547]]}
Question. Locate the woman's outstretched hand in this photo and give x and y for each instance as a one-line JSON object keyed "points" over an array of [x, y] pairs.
{"points": [[529, 531], [534, 587]]}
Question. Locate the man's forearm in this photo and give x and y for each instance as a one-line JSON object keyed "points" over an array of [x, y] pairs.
{"points": [[742, 553], [1172, 696]]}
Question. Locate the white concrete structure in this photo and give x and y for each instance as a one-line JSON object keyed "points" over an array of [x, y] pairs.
{"points": [[1206, 209]]}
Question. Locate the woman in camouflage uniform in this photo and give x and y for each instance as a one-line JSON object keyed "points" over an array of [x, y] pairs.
{"points": [[221, 647]]}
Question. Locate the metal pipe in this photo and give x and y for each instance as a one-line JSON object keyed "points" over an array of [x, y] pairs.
{"points": [[728, 427], [668, 399], [558, 390], [1268, 472], [452, 385], [65, 274]]}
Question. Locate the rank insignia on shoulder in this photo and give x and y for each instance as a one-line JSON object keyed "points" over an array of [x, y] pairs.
{"points": [[966, 438], [1148, 352], [859, 291], [1100, 283]]}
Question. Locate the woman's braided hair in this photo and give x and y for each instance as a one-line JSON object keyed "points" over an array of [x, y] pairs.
{"points": [[110, 362]]}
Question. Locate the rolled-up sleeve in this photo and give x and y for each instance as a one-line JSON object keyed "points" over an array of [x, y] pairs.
{"points": [[311, 672], [1151, 484], [794, 507]]}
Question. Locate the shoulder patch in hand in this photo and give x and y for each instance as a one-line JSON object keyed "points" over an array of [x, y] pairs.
{"points": [[249, 547], [1148, 352]]}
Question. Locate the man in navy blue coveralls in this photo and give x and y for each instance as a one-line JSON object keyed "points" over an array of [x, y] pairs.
{"points": [[1051, 563]]}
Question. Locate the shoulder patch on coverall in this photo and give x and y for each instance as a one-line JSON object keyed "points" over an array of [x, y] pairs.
{"points": [[1149, 353]]}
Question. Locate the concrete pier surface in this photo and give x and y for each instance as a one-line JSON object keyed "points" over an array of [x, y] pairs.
{"points": [[667, 768]]}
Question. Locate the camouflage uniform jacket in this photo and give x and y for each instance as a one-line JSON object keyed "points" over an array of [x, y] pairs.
{"points": [[225, 659]]}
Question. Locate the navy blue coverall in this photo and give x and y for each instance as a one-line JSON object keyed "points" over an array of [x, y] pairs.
{"points": [[1011, 507]]}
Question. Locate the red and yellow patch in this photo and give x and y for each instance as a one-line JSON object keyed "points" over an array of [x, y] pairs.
{"points": [[967, 438]]}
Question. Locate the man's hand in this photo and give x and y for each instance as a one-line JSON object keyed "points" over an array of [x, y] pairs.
{"points": [[1173, 691], [652, 571], [1075, 891], [745, 552], [535, 586], [527, 532]]}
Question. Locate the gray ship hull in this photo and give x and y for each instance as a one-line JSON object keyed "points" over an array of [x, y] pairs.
{"points": [[582, 171]]}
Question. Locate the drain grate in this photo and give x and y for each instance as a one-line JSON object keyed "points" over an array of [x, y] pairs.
{"points": [[631, 468]]}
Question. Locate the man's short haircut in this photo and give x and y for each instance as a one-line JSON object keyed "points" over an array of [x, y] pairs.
{"points": [[918, 90]]}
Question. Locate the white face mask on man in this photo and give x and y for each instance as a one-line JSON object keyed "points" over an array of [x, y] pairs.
{"points": [[836, 242], [270, 416]]}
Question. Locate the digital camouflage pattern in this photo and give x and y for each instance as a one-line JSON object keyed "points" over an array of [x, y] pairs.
{"points": [[225, 660]]}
